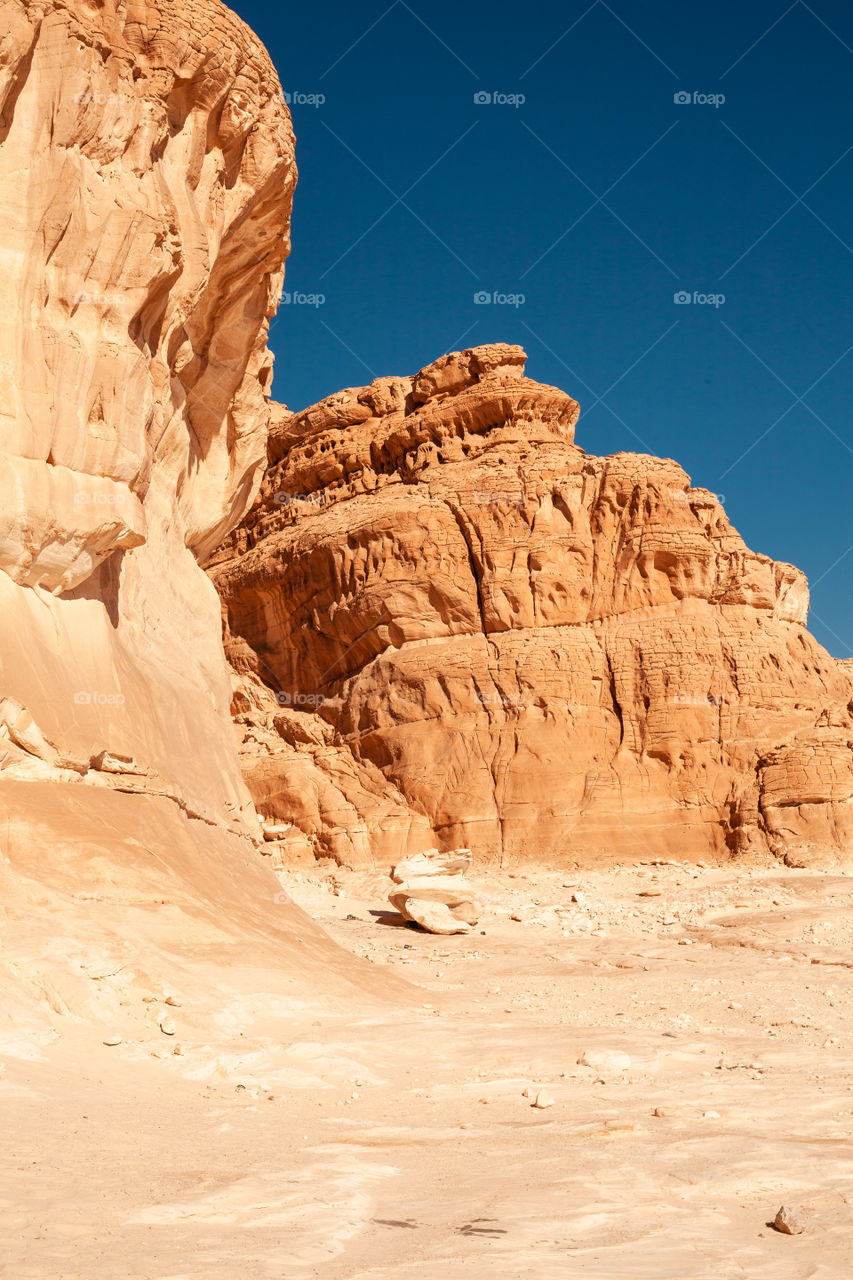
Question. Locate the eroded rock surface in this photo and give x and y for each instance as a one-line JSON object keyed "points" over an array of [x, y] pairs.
{"points": [[431, 890], [146, 175], [547, 655]]}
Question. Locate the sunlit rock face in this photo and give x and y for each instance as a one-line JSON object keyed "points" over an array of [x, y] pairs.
{"points": [[146, 176], [544, 655]]}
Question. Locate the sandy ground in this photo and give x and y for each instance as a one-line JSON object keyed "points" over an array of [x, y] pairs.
{"points": [[395, 1142]]}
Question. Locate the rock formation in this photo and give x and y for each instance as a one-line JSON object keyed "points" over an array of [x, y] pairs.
{"points": [[450, 617], [146, 154], [432, 891], [146, 175]]}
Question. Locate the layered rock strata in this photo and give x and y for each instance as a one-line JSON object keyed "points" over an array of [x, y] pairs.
{"points": [[146, 175], [431, 891], [544, 655], [146, 171]]}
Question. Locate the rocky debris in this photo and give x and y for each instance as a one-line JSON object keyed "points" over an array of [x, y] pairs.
{"points": [[167, 1026], [542, 1101], [107, 762], [434, 893], [340, 808], [277, 830], [789, 1222], [536, 652]]}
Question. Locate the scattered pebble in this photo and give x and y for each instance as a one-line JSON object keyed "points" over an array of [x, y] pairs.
{"points": [[112, 1041], [167, 1026], [789, 1222], [542, 1101], [710, 1115]]}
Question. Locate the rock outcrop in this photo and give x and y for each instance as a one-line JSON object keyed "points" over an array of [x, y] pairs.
{"points": [[146, 174], [543, 655]]}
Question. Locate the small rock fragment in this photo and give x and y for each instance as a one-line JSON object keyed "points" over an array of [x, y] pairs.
{"points": [[167, 1026], [112, 1041], [788, 1222], [435, 917], [542, 1101]]}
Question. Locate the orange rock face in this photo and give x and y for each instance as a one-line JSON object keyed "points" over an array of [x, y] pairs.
{"points": [[508, 645]]}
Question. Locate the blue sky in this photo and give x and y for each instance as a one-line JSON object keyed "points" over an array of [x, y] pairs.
{"points": [[597, 199]]}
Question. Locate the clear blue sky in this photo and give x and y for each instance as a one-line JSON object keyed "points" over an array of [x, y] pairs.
{"points": [[597, 199]]}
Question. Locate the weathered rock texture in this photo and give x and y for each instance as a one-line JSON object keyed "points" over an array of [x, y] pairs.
{"points": [[543, 655], [431, 891], [146, 174]]}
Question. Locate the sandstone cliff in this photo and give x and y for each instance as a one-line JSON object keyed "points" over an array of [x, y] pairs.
{"points": [[146, 176], [540, 654], [146, 165]]}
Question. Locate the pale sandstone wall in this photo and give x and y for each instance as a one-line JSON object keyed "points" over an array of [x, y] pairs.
{"points": [[146, 177]]}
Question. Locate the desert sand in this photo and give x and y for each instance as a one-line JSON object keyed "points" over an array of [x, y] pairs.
{"points": [[691, 1026]]}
